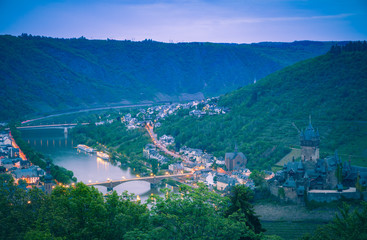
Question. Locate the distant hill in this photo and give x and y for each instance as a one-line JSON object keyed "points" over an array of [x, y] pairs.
{"points": [[40, 74], [332, 88]]}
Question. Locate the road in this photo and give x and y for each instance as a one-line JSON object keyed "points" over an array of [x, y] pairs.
{"points": [[66, 125], [86, 110], [153, 136]]}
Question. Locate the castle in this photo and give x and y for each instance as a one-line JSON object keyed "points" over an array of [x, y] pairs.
{"points": [[319, 179]]}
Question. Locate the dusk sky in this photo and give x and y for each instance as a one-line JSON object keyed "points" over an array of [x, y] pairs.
{"points": [[230, 21]]}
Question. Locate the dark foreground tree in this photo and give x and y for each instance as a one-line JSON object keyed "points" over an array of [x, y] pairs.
{"points": [[240, 206]]}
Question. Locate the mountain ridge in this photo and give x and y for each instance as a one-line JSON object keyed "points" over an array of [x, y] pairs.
{"points": [[41, 74], [332, 88]]}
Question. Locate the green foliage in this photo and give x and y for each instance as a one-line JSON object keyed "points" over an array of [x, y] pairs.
{"points": [[198, 214], [331, 88], [40, 74], [240, 204], [347, 225], [258, 177], [82, 212]]}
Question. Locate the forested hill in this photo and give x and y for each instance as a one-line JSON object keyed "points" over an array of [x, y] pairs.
{"points": [[40, 74], [332, 88]]}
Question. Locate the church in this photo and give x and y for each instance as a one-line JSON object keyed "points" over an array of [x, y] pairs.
{"points": [[235, 160]]}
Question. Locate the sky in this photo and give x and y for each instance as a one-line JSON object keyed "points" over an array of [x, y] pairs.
{"points": [[224, 21]]}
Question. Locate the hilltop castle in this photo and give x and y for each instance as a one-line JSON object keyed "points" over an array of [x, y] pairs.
{"points": [[320, 179]]}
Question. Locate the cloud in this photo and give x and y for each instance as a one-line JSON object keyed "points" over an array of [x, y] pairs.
{"points": [[280, 19]]}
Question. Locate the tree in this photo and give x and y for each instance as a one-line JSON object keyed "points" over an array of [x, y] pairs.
{"points": [[240, 204], [197, 214], [258, 177]]}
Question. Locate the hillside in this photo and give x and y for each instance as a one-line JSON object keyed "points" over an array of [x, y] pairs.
{"points": [[332, 88], [40, 74]]}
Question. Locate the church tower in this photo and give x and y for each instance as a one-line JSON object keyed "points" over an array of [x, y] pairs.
{"points": [[310, 140], [48, 179]]}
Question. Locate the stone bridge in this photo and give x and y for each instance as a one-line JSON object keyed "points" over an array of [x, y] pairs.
{"points": [[153, 180]]}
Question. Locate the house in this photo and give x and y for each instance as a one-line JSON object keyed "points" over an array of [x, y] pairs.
{"points": [[24, 163], [176, 168], [6, 141], [10, 163], [30, 175], [224, 182], [14, 152], [220, 161], [209, 180], [188, 166], [167, 140]]}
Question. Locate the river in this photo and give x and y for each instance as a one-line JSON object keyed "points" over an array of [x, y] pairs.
{"points": [[86, 167]]}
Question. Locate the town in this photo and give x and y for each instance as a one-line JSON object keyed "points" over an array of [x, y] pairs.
{"points": [[14, 162], [310, 178]]}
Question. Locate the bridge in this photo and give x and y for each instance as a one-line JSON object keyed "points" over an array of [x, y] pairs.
{"points": [[48, 126], [153, 180]]}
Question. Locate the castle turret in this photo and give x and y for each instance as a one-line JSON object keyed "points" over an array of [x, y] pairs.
{"points": [[309, 141]]}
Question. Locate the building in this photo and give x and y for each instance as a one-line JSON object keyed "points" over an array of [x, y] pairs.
{"points": [[225, 182], [310, 140], [321, 177], [48, 179], [176, 168], [235, 160], [30, 175]]}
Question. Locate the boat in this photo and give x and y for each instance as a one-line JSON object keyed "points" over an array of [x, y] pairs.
{"points": [[103, 155], [85, 148]]}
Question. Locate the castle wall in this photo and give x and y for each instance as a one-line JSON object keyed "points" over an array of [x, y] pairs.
{"points": [[273, 189], [332, 180], [290, 195], [332, 195], [310, 152]]}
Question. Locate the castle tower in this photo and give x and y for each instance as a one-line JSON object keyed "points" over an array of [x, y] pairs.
{"points": [[310, 140], [48, 179]]}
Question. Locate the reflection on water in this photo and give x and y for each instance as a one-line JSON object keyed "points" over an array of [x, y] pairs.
{"points": [[86, 167]]}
